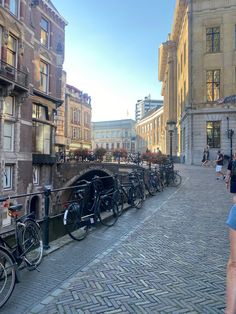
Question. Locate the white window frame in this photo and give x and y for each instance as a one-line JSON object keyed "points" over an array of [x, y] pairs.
{"points": [[8, 177], [9, 103], [36, 175], [44, 76], [6, 136]]}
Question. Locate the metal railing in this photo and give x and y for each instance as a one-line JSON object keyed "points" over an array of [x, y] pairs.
{"points": [[13, 74]]}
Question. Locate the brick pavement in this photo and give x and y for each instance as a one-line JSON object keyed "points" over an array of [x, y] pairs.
{"points": [[173, 261]]}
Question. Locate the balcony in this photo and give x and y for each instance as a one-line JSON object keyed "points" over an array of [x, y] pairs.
{"points": [[43, 159], [10, 75]]}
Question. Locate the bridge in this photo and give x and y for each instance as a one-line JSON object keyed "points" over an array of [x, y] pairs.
{"points": [[67, 174]]}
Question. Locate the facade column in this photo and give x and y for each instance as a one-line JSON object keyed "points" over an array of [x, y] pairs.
{"points": [[171, 114]]}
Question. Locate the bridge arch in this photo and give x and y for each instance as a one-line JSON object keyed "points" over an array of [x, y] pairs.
{"points": [[62, 197]]}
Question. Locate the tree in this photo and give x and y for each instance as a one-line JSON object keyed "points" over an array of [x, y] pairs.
{"points": [[99, 153]]}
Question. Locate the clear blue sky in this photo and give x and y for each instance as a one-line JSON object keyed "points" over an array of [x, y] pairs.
{"points": [[111, 51]]}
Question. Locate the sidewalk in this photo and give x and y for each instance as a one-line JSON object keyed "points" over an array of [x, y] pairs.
{"points": [[171, 260]]}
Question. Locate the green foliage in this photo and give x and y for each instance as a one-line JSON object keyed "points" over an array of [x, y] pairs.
{"points": [[100, 152]]}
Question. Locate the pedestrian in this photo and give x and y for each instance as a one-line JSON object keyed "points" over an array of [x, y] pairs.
{"points": [[231, 222], [205, 157], [219, 164]]}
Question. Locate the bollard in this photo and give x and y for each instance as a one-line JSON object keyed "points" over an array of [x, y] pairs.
{"points": [[47, 193]]}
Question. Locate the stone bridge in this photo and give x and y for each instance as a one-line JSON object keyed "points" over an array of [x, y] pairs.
{"points": [[67, 174]]}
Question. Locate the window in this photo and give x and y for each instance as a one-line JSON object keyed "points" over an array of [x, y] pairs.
{"points": [[8, 177], [9, 106], [44, 75], [213, 134], [75, 133], [8, 130], [213, 85], [44, 35], [11, 51], [41, 138], [213, 39], [13, 7], [75, 116], [39, 112], [35, 175]]}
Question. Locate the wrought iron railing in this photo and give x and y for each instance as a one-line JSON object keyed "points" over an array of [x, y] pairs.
{"points": [[13, 74]]}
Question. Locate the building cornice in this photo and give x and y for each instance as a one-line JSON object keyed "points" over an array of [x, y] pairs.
{"points": [[164, 50], [180, 10], [54, 11]]}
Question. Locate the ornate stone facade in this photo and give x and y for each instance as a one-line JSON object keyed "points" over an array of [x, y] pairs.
{"points": [[197, 65]]}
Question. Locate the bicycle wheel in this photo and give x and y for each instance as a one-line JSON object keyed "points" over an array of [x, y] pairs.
{"points": [[32, 244], [151, 186], [7, 276], [75, 226], [137, 197], [176, 180], [119, 199], [108, 211]]}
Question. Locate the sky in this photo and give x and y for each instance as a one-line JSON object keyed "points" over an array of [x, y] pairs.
{"points": [[111, 51]]}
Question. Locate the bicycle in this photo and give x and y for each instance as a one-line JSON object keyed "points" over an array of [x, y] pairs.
{"points": [[131, 192], [28, 248], [92, 204]]}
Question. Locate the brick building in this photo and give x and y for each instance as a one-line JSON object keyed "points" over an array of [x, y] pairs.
{"points": [[32, 55]]}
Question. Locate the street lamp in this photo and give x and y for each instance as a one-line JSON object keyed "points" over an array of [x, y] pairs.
{"points": [[230, 133], [171, 128]]}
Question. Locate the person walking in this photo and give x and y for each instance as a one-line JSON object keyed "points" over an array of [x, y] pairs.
{"points": [[231, 222], [205, 157], [219, 164]]}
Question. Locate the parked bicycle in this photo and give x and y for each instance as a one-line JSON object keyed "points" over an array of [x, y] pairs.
{"points": [[131, 192], [91, 204], [28, 249], [170, 177]]}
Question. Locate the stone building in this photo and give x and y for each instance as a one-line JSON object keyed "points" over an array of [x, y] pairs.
{"points": [[32, 55], [197, 66], [150, 131], [77, 119], [115, 134]]}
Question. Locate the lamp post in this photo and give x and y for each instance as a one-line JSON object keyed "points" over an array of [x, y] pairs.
{"points": [[230, 133], [171, 127]]}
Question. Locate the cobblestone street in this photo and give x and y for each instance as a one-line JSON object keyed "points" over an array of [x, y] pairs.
{"points": [[168, 257]]}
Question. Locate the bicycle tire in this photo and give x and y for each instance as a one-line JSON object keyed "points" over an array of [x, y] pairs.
{"points": [[8, 276], [137, 197], [151, 186], [108, 211], [119, 198], [75, 227], [31, 243], [176, 180]]}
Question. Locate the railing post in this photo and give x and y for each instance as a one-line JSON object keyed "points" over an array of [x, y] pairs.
{"points": [[47, 193]]}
